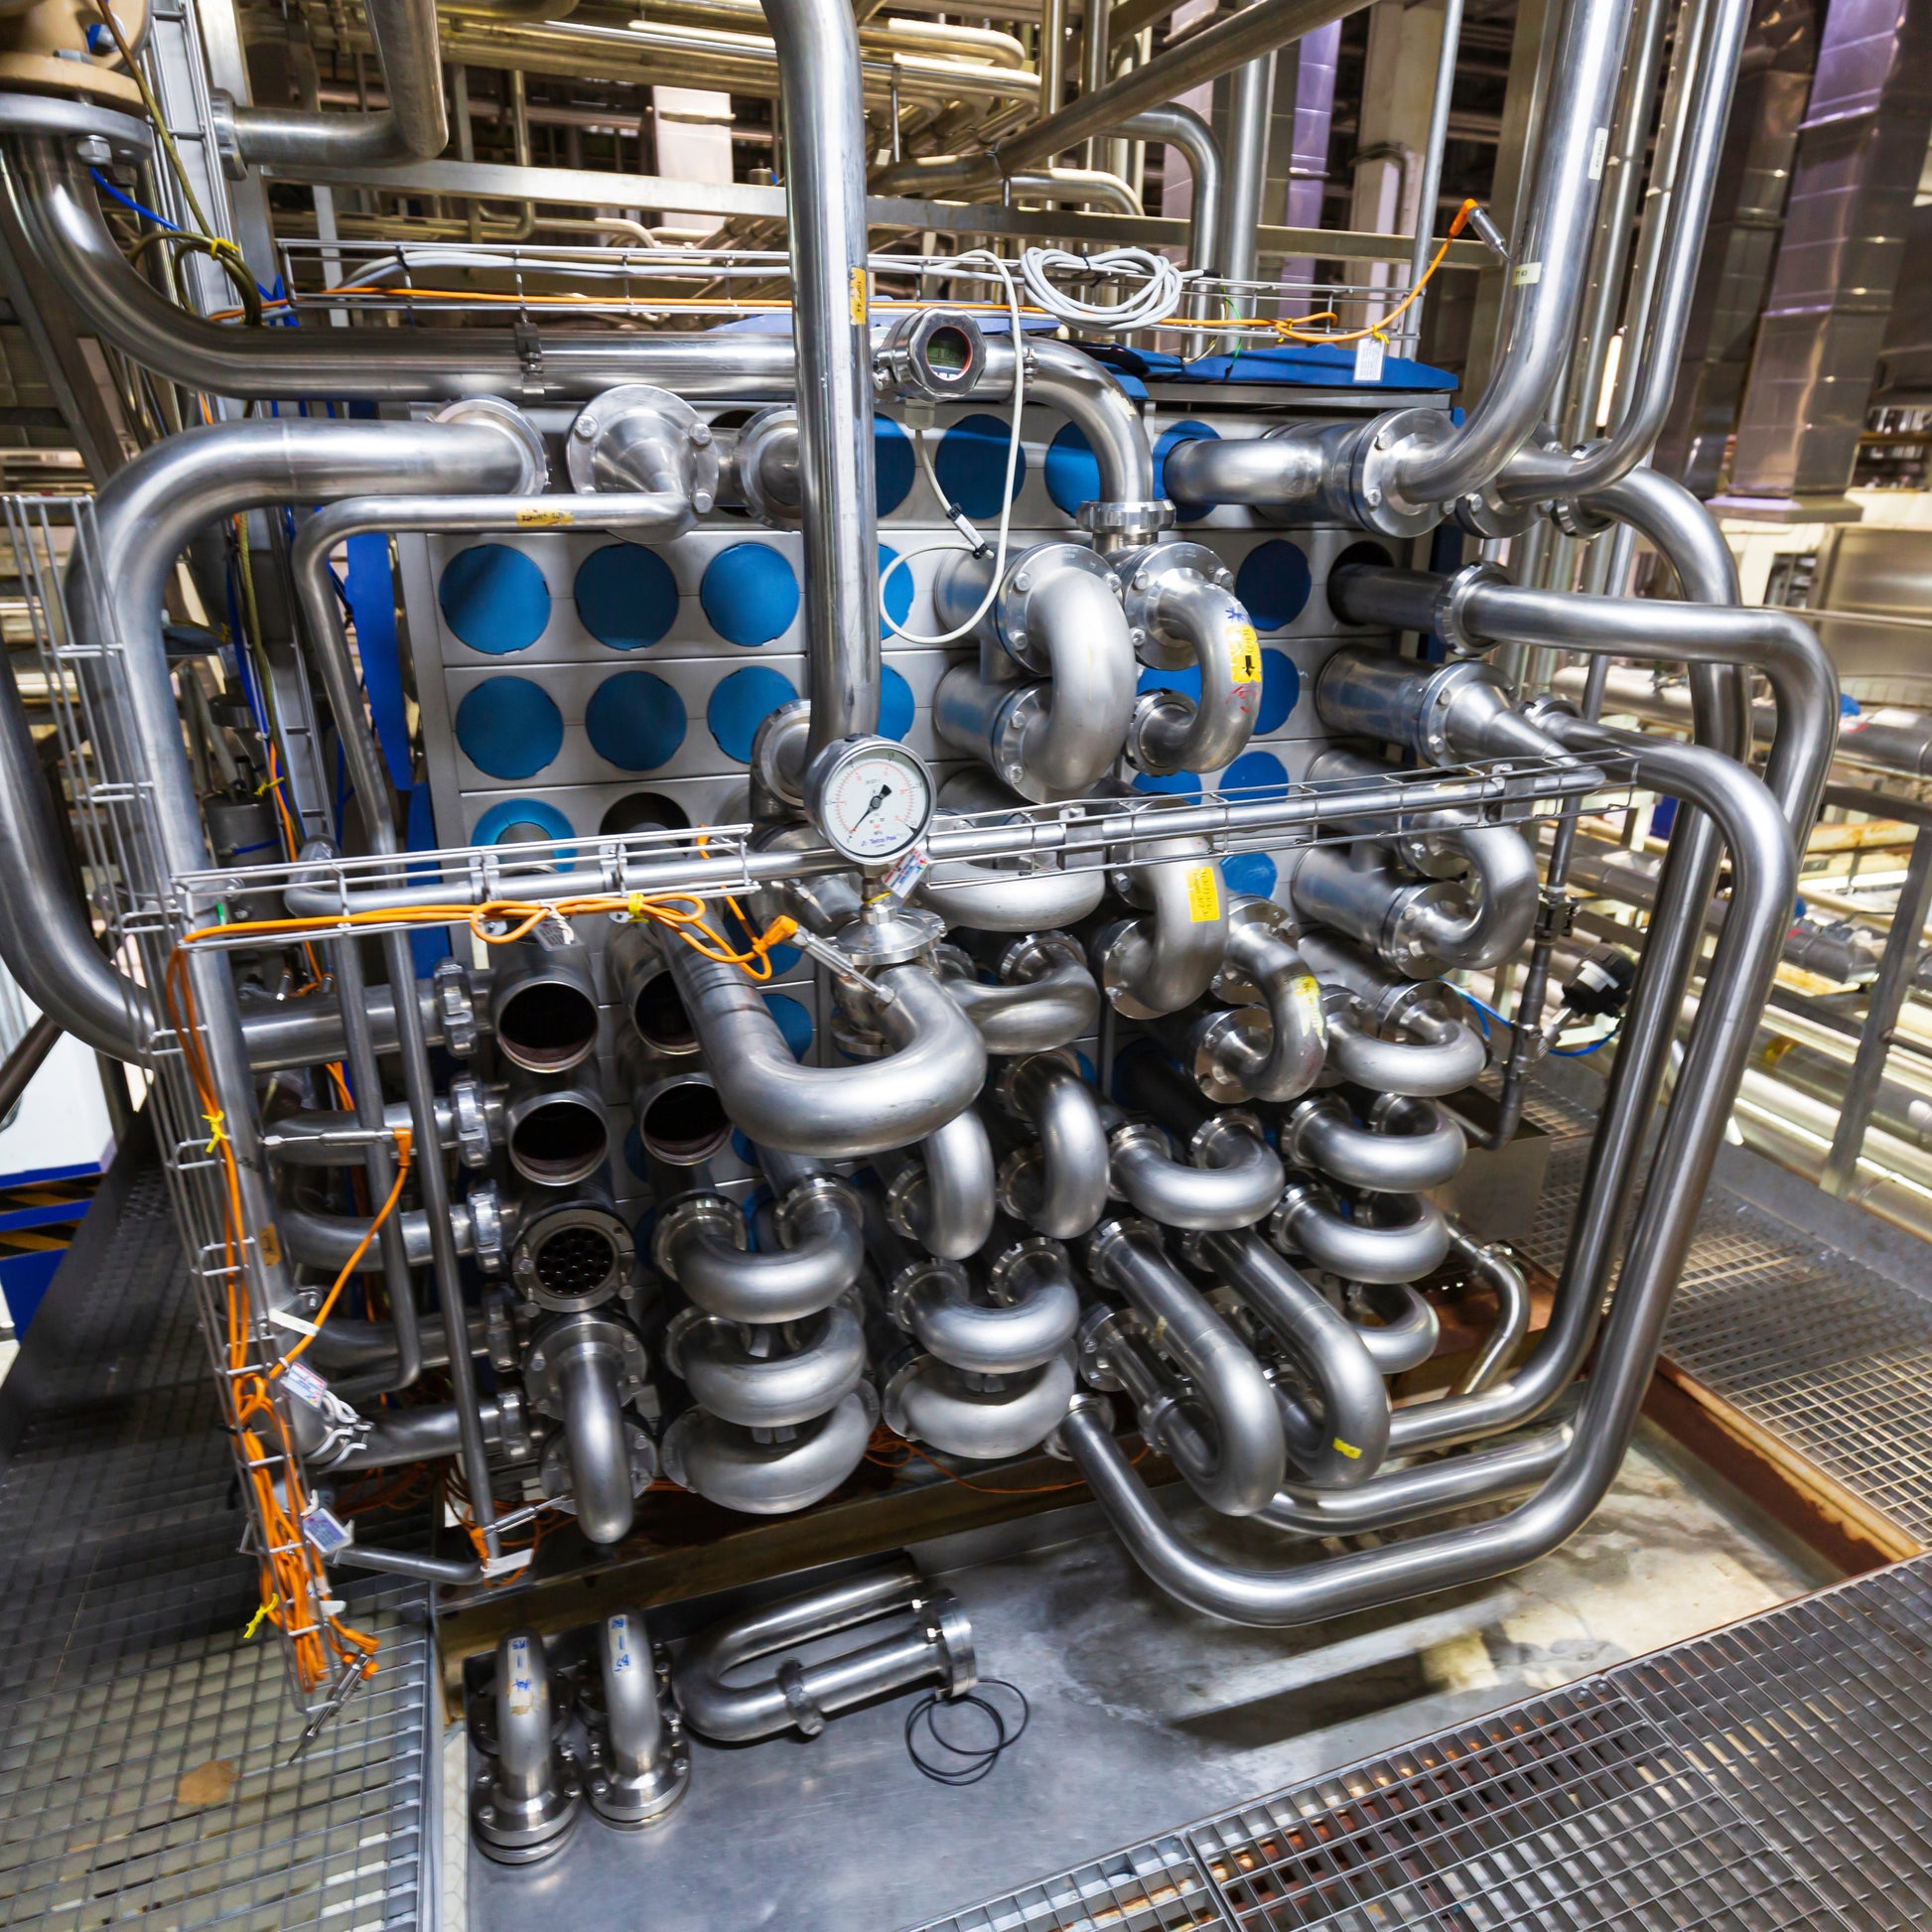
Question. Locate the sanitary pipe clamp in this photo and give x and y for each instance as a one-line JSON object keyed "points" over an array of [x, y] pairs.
{"points": [[1143, 575], [571, 1336]]}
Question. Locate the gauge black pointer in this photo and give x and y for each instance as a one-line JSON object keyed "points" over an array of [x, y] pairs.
{"points": [[879, 797]]}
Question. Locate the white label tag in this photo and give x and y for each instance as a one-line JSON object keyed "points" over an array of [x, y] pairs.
{"points": [[495, 1566], [282, 1318], [1600, 147], [522, 1685], [305, 1385], [904, 876], [1527, 274], [325, 1530], [1369, 359]]}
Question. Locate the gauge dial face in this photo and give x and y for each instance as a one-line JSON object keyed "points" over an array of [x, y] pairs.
{"points": [[875, 801]]}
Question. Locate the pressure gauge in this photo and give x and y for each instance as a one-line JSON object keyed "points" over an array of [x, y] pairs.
{"points": [[870, 798]]}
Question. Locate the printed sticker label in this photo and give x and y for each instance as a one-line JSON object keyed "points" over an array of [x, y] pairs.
{"points": [[523, 1685], [858, 298], [1369, 352], [541, 519], [1203, 895], [1244, 649]]}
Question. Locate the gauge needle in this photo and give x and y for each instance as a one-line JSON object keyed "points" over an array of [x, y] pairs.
{"points": [[879, 797]]}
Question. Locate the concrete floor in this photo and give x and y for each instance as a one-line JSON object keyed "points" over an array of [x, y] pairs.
{"points": [[1145, 1717]]}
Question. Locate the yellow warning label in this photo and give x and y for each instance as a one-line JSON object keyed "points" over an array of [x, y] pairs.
{"points": [[1203, 895], [1306, 991], [541, 519], [1244, 654], [1348, 1449], [858, 298]]}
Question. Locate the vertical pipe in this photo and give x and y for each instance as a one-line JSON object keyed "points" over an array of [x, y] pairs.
{"points": [[1431, 168], [1053, 56], [1250, 108], [1095, 67], [819, 88]]}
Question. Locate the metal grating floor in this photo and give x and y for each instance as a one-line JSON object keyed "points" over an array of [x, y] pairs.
{"points": [[124, 1600], [1829, 1355], [1774, 1774]]}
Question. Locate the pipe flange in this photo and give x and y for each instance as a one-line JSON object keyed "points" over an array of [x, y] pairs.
{"points": [[513, 1423], [1375, 463], [670, 1345], [1215, 1133], [768, 430], [1576, 518], [716, 1214], [631, 1803], [484, 1207], [1020, 1185], [1143, 575], [637, 437], [1100, 1328], [1301, 1193], [574, 1256], [778, 749], [527, 1831], [1005, 1278], [1453, 602], [907, 1194], [950, 1632], [1118, 1230], [1110, 945], [1122, 524], [1306, 1113], [123, 137], [470, 1114], [569, 1335], [1411, 910], [1009, 1079], [1483, 513], [906, 1283], [1085, 1402], [492, 412], [813, 1188], [1008, 738], [1032, 955], [890, 936], [1208, 1066], [1011, 605], [1450, 684], [553, 1471]]}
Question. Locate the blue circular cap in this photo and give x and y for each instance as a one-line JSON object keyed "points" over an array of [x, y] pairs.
{"points": [[512, 820], [1188, 432], [898, 587], [1072, 470], [634, 1154], [495, 599], [896, 705], [636, 721], [627, 596], [1186, 680], [1848, 706], [1185, 785], [972, 465], [794, 1022], [509, 727], [891, 464], [743, 1148], [1252, 771], [750, 592], [1281, 686], [1250, 871], [741, 703], [1273, 582]]}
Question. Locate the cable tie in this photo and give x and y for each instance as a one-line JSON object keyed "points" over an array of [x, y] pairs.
{"points": [[215, 1122], [261, 1616]]}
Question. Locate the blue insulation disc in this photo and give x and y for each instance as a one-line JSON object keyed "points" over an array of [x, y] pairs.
{"points": [[1274, 581], [495, 599], [509, 727], [741, 703], [634, 720], [749, 594], [627, 596]]}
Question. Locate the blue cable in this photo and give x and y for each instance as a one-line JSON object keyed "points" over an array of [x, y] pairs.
{"points": [[1484, 1011], [134, 207]]}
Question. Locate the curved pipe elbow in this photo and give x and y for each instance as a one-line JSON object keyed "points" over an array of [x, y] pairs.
{"points": [[1242, 1467], [1410, 1146], [1502, 872], [768, 1390], [699, 1243], [1045, 998], [846, 1112], [1504, 1280], [598, 1445], [1426, 1068], [1298, 1028], [1167, 959], [965, 893], [948, 1207], [1173, 732], [1238, 1184], [1344, 1439], [1030, 1317], [1362, 1251], [1061, 377], [981, 1417], [727, 1465], [1073, 1160], [1403, 1328]]}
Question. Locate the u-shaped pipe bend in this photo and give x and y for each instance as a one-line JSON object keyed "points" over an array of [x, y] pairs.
{"points": [[834, 1113], [981, 1417], [812, 1370], [1407, 1146], [699, 1242], [1027, 1316], [727, 1464], [1043, 997], [1383, 1252], [1241, 1467]]}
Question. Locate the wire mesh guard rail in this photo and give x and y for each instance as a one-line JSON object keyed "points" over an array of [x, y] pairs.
{"points": [[81, 673]]}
